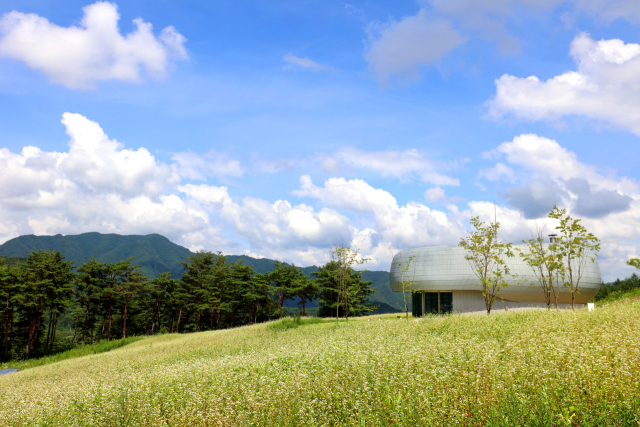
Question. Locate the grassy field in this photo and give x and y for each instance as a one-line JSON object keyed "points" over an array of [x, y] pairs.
{"points": [[85, 350], [515, 368], [617, 296]]}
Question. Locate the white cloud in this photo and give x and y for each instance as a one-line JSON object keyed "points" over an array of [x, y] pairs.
{"points": [[497, 172], [549, 174], [212, 164], [391, 225], [489, 18], [542, 156], [404, 165], [355, 195], [269, 227], [604, 88], [434, 194], [97, 185], [553, 175], [293, 62], [402, 49], [78, 57]]}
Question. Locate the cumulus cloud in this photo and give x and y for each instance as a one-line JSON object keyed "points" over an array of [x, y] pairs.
{"points": [[97, 185], [78, 57], [542, 156], [278, 225], [402, 49], [355, 195], [535, 198], [553, 175], [604, 87], [391, 225], [596, 203], [404, 165]]}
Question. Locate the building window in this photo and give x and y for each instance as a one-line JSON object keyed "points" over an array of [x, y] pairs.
{"points": [[446, 302], [416, 304], [431, 303], [434, 303]]}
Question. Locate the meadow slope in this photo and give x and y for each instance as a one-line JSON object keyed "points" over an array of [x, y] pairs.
{"points": [[516, 368]]}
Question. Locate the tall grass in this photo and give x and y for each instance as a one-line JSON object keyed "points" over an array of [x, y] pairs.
{"points": [[538, 367], [620, 295], [83, 350]]}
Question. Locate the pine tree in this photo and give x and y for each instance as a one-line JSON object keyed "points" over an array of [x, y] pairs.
{"points": [[130, 282], [89, 287], [198, 272], [329, 287]]}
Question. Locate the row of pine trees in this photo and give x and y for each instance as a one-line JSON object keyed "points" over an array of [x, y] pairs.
{"points": [[43, 295]]}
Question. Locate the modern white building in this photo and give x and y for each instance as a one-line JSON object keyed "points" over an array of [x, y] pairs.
{"points": [[444, 282]]}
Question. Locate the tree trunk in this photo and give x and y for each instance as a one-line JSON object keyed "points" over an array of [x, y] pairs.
{"points": [[159, 326], [84, 329], [6, 332], [124, 323], [109, 331], [75, 330], [179, 317], [49, 328], [55, 328]]}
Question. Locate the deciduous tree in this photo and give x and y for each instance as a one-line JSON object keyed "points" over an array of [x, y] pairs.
{"points": [[576, 246], [485, 254]]}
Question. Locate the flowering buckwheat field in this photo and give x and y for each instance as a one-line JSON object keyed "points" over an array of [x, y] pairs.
{"points": [[516, 368]]}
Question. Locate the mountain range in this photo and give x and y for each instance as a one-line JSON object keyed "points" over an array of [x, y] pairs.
{"points": [[157, 254]]}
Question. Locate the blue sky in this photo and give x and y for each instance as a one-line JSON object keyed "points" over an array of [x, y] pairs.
{"points": [[276, 129]]}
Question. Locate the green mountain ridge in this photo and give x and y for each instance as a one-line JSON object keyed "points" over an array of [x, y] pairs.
{"points": [[157, 254]]}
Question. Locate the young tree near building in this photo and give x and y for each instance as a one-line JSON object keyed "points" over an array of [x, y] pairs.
{"points": [[406, 282], [544, 263], [345, 259], [485, 254], [576, 246]]}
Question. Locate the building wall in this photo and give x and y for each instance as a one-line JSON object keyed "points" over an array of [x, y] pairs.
{"points": [[468, 301], [444, 268]]}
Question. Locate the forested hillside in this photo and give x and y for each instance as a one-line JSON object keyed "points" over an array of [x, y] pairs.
{"points": [[43, 300], [156, 254]]}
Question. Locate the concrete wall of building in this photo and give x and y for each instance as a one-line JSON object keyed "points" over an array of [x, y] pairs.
{"points": [[444, 268], [469, 301]]}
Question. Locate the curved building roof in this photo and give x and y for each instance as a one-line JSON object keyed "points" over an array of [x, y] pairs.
{"points": [[444, 268]]}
